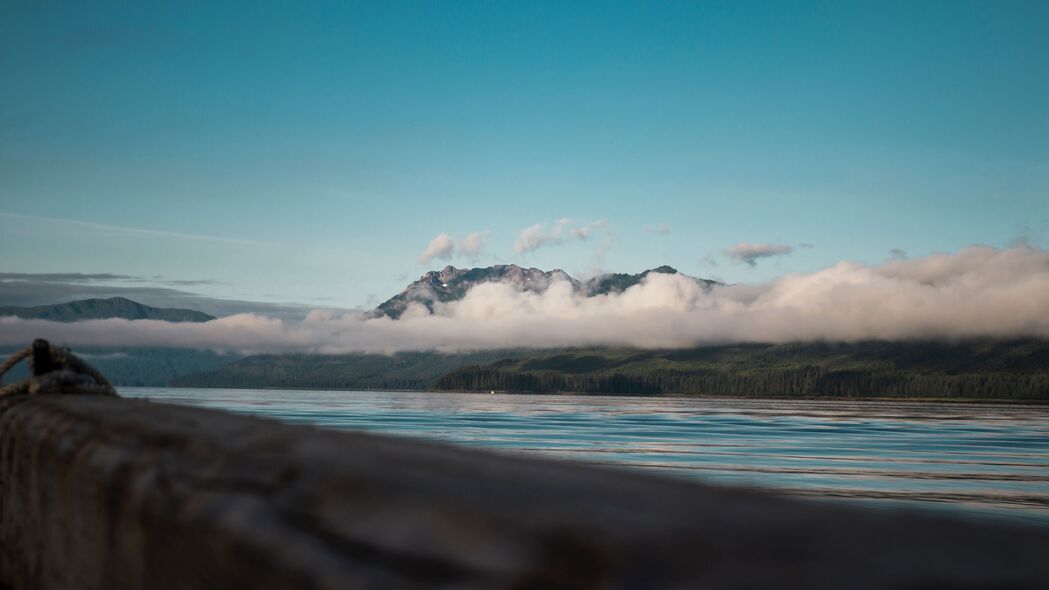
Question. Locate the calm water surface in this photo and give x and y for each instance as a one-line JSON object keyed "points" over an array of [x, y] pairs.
{"points": [[985, 460]]}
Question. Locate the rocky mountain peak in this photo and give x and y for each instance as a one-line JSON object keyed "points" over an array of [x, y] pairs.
{"points": [[452, 284]]}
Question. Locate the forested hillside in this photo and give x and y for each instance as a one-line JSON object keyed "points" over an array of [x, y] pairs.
{"points": [[407, 370], [987, 370]]}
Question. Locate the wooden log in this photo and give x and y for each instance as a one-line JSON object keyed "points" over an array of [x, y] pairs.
{"points": [[112, 493]]}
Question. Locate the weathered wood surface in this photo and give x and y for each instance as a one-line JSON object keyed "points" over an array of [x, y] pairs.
{"points": [[112, 494]]}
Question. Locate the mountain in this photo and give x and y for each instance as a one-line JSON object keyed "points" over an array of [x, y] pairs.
{"points": [[451, 284], [619, 282], [94, 309]]}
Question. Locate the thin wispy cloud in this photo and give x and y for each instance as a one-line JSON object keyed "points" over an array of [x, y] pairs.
{"points": [[191, 282], [556, 233], [980, 292], [134, 231], [750, 254], [66, 277], [583, 232], [104, 277], [474, 244], [661, 229]]}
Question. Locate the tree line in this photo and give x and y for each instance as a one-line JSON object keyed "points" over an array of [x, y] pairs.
{"points": [[804, 381]]}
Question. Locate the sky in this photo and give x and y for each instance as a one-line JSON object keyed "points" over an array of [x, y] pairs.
{"points": [[326, 154]]}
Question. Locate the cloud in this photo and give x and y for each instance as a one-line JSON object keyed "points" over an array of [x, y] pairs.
{"points": [[533, 237], [69, 277], [661, 229], [442, 246], [473, 244], [583, 232], [536, 236], [978, 292], [751, 253], [135, 231], [898, 254], [102, 277]]}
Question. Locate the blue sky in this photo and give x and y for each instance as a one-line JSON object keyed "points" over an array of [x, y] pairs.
{"points": [[310, 153]]}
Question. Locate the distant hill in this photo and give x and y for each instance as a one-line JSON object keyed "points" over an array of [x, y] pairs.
{"points": [[95, 309], [967, 370], [452, 284]]}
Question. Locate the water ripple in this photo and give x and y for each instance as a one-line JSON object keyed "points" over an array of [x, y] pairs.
{"points": [[985, 460]]}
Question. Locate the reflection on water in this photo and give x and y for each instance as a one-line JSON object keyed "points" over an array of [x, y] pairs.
{"points": [[985, 460]]}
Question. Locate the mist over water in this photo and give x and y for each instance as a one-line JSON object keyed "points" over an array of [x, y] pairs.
{"points": [[985, 461]]}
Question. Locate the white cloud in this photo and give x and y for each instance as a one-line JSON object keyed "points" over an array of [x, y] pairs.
{"points": [[444, 246], [536, 236], [661, 229], [532, 238], [584, 231], [978, 292], [473, 244], [751, 253], [441, 246]]}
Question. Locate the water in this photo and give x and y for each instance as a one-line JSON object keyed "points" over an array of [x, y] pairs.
{"points": [[988, 461]]}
